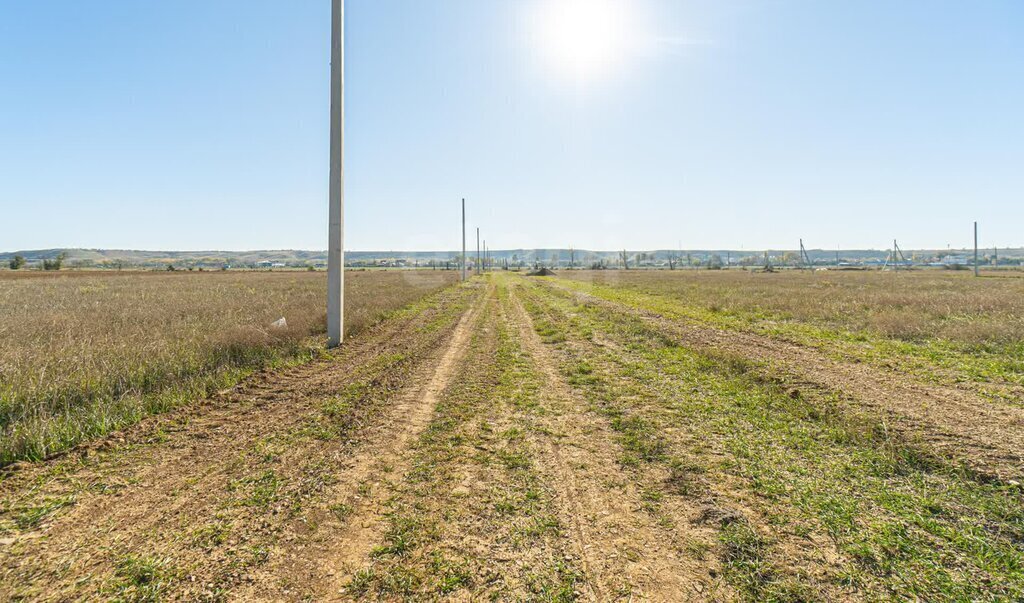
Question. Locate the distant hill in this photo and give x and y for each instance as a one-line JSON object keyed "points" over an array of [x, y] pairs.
{"points": [[127, 258], [132, 258]]}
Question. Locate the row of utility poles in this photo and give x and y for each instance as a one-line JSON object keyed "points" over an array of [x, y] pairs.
{"points": [[480, 259], [896, 255], [336, 197]]}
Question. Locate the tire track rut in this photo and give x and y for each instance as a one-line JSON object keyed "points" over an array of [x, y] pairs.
{"points": [[983, 435], [625, 553], [324, 561]]}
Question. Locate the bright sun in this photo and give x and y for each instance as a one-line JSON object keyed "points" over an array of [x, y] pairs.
{"points": [[584, 39]]}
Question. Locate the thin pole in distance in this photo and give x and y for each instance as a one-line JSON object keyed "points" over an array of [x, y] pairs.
{"points": [[976, 273], [463, 239], [336, 186]]}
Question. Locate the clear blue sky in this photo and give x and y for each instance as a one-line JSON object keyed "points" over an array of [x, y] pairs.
{"points": [[199, 124]]}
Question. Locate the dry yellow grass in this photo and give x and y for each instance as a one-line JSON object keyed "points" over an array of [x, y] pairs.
{"points": [[83, 354], [912, 306]]}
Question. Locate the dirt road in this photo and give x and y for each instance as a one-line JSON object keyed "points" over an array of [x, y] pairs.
{"points": [[509, 440]]}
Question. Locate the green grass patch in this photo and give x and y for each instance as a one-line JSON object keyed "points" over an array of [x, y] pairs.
{"points": [[141, 579], [30, 517], [260, 490]]}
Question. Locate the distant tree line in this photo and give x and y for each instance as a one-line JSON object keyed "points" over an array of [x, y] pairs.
{"points": [[18, 262]]}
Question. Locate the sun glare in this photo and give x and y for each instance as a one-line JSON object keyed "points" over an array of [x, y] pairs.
{"points": [[584, 39]]}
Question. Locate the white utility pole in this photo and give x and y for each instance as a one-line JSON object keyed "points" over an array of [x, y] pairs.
{"points": [[463, 239], [336, 186], [478, 251]]}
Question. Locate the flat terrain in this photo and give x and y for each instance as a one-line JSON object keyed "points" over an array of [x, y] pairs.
{"points": [[86, 353], [592, 436]]}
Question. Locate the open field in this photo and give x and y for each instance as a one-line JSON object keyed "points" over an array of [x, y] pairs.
{"points": [[83, 354], [917, 305], [938, 324], [592, 436]]}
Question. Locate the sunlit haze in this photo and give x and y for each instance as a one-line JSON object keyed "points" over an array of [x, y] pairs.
{"points": [[586, 39]]}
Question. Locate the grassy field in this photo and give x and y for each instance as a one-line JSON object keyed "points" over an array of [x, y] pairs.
{"points": [[806, 475], [939, 324], [919, 305], [593, 436], [83, 354]]}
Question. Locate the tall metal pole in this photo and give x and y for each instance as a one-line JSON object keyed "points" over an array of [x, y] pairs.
{"points": [[336, 186], [463, 239], [478, 250], [975, 249]]}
